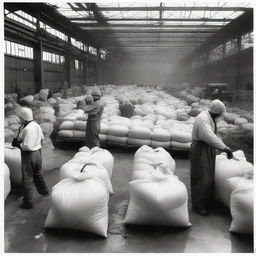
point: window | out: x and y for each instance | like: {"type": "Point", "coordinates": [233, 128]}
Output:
{"type": "Point", "coordinates": [22, 18]}
{"type": "Point", "coordinates": [18, 50]}
{"type": "Point", "coordinates": [78, 44]}
{"type": "Point", "coordinates": [53, 31]}
{"type": "Point", "coordinates": [247, 41]}
{"type": "Point", "coordinates": [92, 50]}
{"type": "Point", "coordinates": [53, 58]}
{"type": "Point", "coordinates": [76, 64]}
{"type": "Point", "coordinates": [216, 53]}
{"type": "Point", "coordinates": [231, 47]}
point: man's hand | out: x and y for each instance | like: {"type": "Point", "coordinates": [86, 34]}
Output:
{"type": "Point", "coordinates": [229, 152]}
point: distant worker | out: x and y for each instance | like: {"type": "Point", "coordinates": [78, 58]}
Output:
{"type": "Point", "coordinates": [94, 108]}
{"type": "Point", "coordinates": [203, 154]}
{"type": "Point", "coordinates": [29, 141]}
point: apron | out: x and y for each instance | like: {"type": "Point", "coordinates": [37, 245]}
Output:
{"type": "Point", "coordinates": [202, 174]}
{"type": "Point", "coordinates": [92, 131]}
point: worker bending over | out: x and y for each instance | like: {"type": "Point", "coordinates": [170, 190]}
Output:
{"type": "Point", "coordinates": [94, 108]}
{"type": "Point", "coordinates": [203, 154]}
{"type": "Point", "coordinates": [29, 141]}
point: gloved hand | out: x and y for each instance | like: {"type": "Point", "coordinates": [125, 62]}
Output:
{"type": "Point", "coordinates": [229, 152]}
{"type": "Point", "coordinates": [16, 143]}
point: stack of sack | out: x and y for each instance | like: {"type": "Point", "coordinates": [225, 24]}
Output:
{"type": "Point", "coordinates": [7, 181]}
{"type": "Point", "coordinates": [181, 135]}
{"type": "Point", "coordinates": [12, 124]}
{"type": "Point", "coordinates": [157, 197]}
{"type": "Point", "coordinates": [12, 157]}
{"type": "Point", "coordinates": [234, 188]}
{"type": "Point", "coordinates": [80, 199]}
{"type": "Point", "coordinates": [118, 129]}
{"type": "Point", "coordinates": [73, 125]}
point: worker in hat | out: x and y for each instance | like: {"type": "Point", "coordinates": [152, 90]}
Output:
{"type": "Point", "coordinates": [29, 141]}
{"type": "Point", "coordinates": [204, 144]}
{"type": "Point", "coordinates": [94, 108]}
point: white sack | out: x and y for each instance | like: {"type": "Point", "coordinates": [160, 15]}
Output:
{"type": "Point", "coordinates": [79, 203]}
{"type": "Point", "coordinates": [7, 182]}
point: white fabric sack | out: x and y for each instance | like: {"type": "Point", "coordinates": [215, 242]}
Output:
{"type": "Point", "coordinates": [140, 132]}
{"type": "Point", "coordinates": [84, 149]}
{"type": "Point", "coordinates": [90, 168]}
{"type": "Point", "coordinates": [158, 202]}
{"type": "Point", "coordinates": [118, 130]}
{"type": "Point", "coordinates": [99, 155]}
{"type": "Point", "coordinates": [80, 125]}
{"type": "Point", "coordinates": [138, 142]}
{"type": "Point", "coordinates": [117, 139]}
{"type": "Point", "coordinates": [181, 136]}
{"type": "Point", "coordinates": [103, 137]}
{"type": "Point", "coordinates": [12, 157]}
{"type": "Point", "coordinates": [241, 207]}
{"type": "Point", "coordinates": [225, 169]}
{"type": "Point", "coordinates": [150, 173]}
{"type": "Point", "coordinates": [104, 128]}
{"type": "Point", "coordinates": [78, 134]}
{"type": "Point", "coordinates": [7, 182]}
{"type": "Point", "coordinates": [160, 134]}
{"type": "Point", "coordinates": [180, 145]}
{"type": "Point", "coordinates": [155, 157]}
{"type": "Point", "coordinates": [66, 133]}
{"type": "Point", "coordinates": [67, 125]}
{"type": "Point", "coordinates": [162, 144]}
{"type": "Point", "coordinates": [79, 203]}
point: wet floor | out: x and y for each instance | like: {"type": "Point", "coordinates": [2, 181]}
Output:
{"type": "Point", "coordinates": [24, 230]}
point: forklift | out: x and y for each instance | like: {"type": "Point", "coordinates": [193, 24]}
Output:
{"type": "Point", "coordinates": [217, 91]}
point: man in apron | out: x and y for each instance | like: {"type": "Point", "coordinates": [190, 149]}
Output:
{"type": "Point", "coordinates": [204, 144]}
{"type": "Point", "coordinates": [94, 108]}
{"type": "Point", "coordinates": [29, 142]}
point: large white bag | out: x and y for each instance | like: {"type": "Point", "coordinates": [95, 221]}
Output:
{"type": "Point", "coordinates": [90, 168]}
{"type": "Point", "coordinates": [241, 208]}
{"type": "Point", "coordinates": [162, 144]}
{"type": "Point", "coordinates": [117, 139]}
{"type": "Point", "coordinates": [12, 157]}
{"type": "Point", "coordinates": [79, 203]}
{"type": "Point", "coordinates": [99, 155]}
{"type": "Point", "coordinates": [118, 130]}
{"type": "Point", "coordinates": [140, 132]}
{"type": "Point", "coordinates": [158, 202]}
{"type": "Point", "coordinates": [181, 136]}
{"type": "Point", "coordinates": [154, 157]}
{"type": "Point", "coordinates": [7, 182]}
{"type": "Point", "coordinates": [225, 169]}
{"type": "Point", "coordinates": [160, 134]}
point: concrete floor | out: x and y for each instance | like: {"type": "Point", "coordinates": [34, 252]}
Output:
{"type": "Point", "coordinates": [24, 232]}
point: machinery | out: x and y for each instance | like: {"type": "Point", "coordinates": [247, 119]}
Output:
{"type": "Point", "coordinates": [218, 91]}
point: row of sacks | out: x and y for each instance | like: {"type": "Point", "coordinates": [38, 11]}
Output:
{"type": "Point", "coordinates": [157, 197]}
{"type": "Point", "coordinates": [234, 189]}
{"type": "Point", "coordinates": [80, 199]}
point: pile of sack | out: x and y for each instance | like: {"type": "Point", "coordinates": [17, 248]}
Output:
{"type": "Point", "coordinates": [234, 188]}
{"type": "Point", "coordinates": [80, 200]}
{"type": "Point", "coordinates": [157, 197]}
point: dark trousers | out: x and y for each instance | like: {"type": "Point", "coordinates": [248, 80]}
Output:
{"type": "Point", "coordinates": [92, 133]}
{"type": "Point", "coordinates": [202, 175]}
{"type": "Point", "coordinates": [31, 171]}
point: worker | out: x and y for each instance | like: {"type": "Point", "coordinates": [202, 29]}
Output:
{"type": "Point", "coordinates": [94, 108]}
{"type": "Point", "coordinates": [29, 141]}
{"type": "Point", "coordinates": [203, 153]}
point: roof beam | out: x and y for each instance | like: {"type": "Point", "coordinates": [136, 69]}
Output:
{"type": "Point", "coordinates": [127, 26]}
{"type": "Point", "coordinates": [137, 31]}
{"type": "Point", "coordinates": [180, 8]}
{"type": "Point", "coordinates": [157, 19]}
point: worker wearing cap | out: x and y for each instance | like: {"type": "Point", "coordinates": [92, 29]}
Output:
{"type": "Point", "coordinates": [204, 143]}
{"type": "Point", "coordinates": [29, 141]}
{"type": "Point", "coordinates": [94, 108]}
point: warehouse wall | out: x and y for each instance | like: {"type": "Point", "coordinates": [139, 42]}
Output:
{"type": "Point", "coordinates": [139, 73]}
{"type": "Point", "coordinates": [236, 71]}
{"type": "Point", "coordinates": [19, 73]}
{"type": "Point", "coordinates": [78, 76]}
{"type": "Point", "coordinates": [54, 75]}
